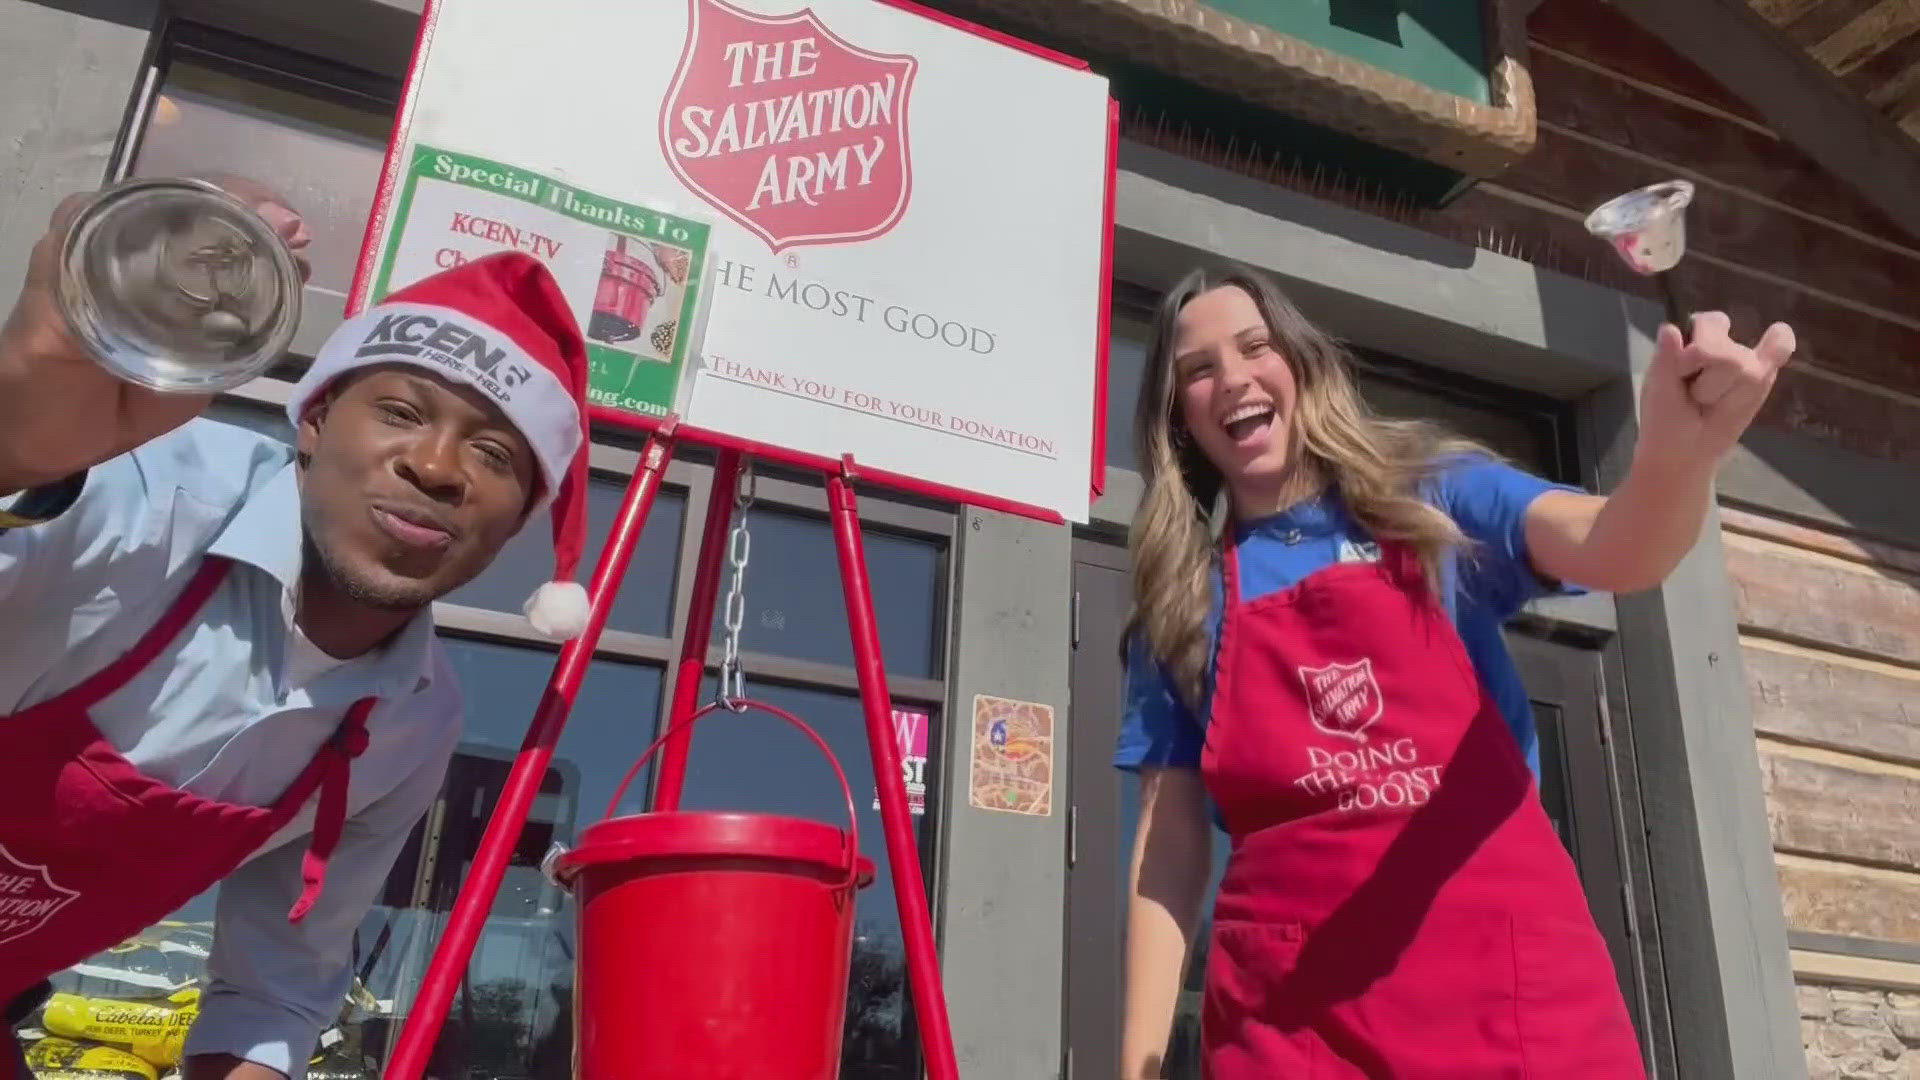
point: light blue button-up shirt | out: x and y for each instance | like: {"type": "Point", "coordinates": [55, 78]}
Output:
{"type": "Point", "coordinates": [213, 714]}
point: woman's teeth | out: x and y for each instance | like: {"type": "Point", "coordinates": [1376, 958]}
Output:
{"type": "Point", "coordinates": [1244, 422]}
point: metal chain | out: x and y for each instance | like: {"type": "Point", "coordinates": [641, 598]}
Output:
{"type": "Point", "coordinates": [733, 681]}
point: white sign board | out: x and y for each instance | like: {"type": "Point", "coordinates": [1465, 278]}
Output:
{"type": "Point", "coordinates": [897, 226]}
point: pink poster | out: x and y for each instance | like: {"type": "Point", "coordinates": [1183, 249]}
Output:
{"type": "Point", "coordinates": [910, 730]}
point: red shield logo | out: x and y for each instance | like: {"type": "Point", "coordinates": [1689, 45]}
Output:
{"type": "Point", "coordinates": [788, 128]}
{"type": "Point", "coordinates": [28, 897]}
{"type": "Point", "coordinates": [1342, 699]}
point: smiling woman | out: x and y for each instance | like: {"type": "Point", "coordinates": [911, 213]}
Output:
{"type": "Point", "coordinates": [1309, 680]}
{"type": "Point", "coordinates": [1323, 673]}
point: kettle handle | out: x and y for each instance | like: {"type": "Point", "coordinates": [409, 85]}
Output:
{"type": "Point", "coordinates": [743, 705]}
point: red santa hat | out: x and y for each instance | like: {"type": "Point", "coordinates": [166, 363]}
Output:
{"type": "Point", "coordinates": [500, 325]}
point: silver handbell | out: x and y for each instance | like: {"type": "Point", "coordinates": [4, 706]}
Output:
{"type": "Point", "coordinates": [177, 286]}
{"type": "Point", "coordinates": [1647, 228]}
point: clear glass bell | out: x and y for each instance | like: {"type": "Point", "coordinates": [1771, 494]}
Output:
{"type": "Point", "coordinates": [1647, 228]}
{"type": "Point", "coordinates": [177, 286]}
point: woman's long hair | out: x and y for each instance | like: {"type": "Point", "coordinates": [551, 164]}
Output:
{"type": "Point", "coordinates": [1377, 465]}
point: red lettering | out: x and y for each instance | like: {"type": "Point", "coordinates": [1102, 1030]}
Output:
{"type": "Point", "coordinates": [500, 232]}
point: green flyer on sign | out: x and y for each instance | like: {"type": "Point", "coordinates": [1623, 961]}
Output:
{"type": "Point", "coordinates": [634, 274]}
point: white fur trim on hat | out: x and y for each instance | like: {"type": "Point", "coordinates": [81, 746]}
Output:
{"type": "Point", "coordinates": [466, 350]}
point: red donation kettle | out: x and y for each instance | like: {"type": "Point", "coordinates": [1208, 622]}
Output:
{"type": "Point", "coordinates": [713, 945]}
{"type": "Point", "coordinates": [628, 288]}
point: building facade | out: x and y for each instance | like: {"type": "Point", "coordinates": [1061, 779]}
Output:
{"type": "Point", "coordinates": [1732, 758]}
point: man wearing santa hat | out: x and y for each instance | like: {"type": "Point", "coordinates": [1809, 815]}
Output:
{"type": "Point", "coordinates": [217, 656]}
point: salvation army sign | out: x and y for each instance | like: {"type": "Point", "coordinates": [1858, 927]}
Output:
{"type": "Point", "coordinates": [829, 227]}
{"type": "Point", "coordinates": [828, 118]}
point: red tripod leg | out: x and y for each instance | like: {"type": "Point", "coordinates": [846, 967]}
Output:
{"type": "Point", "coordinates": [449, 964]}
{"type": "Point", "coordinates": [693, 650]}
{"type": "Point", "coordinates": [916, 923]}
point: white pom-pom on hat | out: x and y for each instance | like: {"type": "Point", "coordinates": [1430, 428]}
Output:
{"type": "Point", "coordinates": [558, 609]}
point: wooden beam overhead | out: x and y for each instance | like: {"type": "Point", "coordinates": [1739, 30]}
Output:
{"type": "Point", "coordinates": [1797, 97]}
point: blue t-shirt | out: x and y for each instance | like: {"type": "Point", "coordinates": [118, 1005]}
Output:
{"type": "Point", "coordinates": [1484, 588]}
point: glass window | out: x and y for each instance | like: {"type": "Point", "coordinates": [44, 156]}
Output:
{"type": "Point", "coordinates": [1522, 436]}
{"type": "Point", "coordinates": [322, 155]}
{"type": "Point", "coordinates": [613, 719]}
{"type": "Point", "coordinates": [1549, 721]}
{"type": "Point", "coordinates": [513, 1014]}
{"type": "Point", "coordinates": [1126, 366]}
{"type": "Point", "coordinates": [645, 603]}
{"type": "Point", "coordinates": [795, 607]}
{"type": "Point", "coordinates": [757, 762]}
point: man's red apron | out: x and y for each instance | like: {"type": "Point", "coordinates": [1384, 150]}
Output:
{"type": "Point", "coordinates": [1397, 903]}
{"type": "Point", "coordinates": [92, 851]}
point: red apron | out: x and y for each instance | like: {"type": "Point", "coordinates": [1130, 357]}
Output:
{"type": "Point", "coordinates": [92, 851]}
{"type": "Point", "coordinates": [1397, 903]}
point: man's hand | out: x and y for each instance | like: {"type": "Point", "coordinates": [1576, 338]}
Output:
{"type": "Point", "coordinates": [1700, 395]}
{"type": "Point", "coordinates": [227, 1067]}
{"type": "Point", "coordinates": [60, 411]}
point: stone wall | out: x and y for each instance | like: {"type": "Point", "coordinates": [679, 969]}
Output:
{"type": "Point", "coordinates": [1856, 1034]}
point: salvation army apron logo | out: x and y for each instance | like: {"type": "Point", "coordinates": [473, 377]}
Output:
{"type": "Point", "coordinates": [28, 897]}
{"type": "Point", "coordinates": [1342, 699]}
{"type": "Point", "coordinates": [787, 128]}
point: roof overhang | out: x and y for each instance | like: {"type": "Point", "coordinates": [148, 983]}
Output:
{"type": "Point", "coordinates": [1798, 90]}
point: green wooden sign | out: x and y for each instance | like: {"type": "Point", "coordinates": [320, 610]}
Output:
{"type": "Point", "coordinates": [1440, 44]}
{"type": "Point", "coordinates": [1441, 82]}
